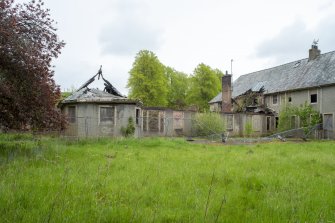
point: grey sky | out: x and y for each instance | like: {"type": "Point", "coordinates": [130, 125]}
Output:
{"type": "Point", "coordinates": [183, 33]}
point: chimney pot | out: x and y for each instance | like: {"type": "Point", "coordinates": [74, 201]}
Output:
{"type": "Point", "coordinates": [314, 52]}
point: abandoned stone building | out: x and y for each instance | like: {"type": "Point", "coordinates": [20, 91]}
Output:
{"type": "Point", "coordinates": [258, 97]}
{"type": "Point", "coordinates": [95, 113]}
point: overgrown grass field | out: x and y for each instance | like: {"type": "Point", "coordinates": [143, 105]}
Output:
{"type": "Point", "coordinates": [164, 180]}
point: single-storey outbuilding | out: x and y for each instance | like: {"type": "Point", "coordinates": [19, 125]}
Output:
{"type": "Point", "coordinates": [94, 113]}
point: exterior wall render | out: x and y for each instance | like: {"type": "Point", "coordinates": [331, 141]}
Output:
{"type": "Point", "coordinates": [325, 99]}
{"type": "Point", "coordinates": [258, 122]}
{"type": "Point", "coordinates": [88, 123]}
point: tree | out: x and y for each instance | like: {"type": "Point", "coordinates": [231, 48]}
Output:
{"type": "Point", "coordinates": [178, 88]}
{"type": "Point", "coordinates": [147, 81]}
{"type": "Point", "coordinates": [28, 42]}
{"type": "Point", "coordinates": [205, 84]}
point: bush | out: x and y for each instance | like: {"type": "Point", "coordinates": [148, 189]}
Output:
{"type": "Point", "coordinates": [205, 124]}
{"type": "Point", "coordinates": [308, 117]}
{"type": "Point", "coordinates": [130, 129]}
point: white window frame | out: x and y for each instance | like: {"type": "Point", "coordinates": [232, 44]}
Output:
{"type": "Point", "coordinates": [107, 123]}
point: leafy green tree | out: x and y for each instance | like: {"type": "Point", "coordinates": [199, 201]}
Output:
{"type": "Point", "coordinates": [147, 80]}
{"type": "Point", "coordinates": [219, 74]}
{"type": "Point", "coordinates": [178, 87]}
{"type": "Point", "coordinates": [205, 84]}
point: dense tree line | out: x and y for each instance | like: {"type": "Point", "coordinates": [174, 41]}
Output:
{"type": "Point", "coordinates": [28, 42]}
{"type": "Point", "coordinates": [158, 85]}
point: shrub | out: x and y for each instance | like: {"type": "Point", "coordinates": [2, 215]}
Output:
{"type": "Point", "coordinates": [205, 124]}
{"type": "Point", "coordinates": [307, 115]}
{"type": "Point", "coordinates": [130, 129]}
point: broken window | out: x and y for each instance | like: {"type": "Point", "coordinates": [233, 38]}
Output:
{"type": "Point", "coordinates": [138, 111]}
{"type": "Point", "coordinates": [314, 98]}
{"type": "Point", "coordinates": [107, 115]}
{"type": "Point", "coordinates": [293, 122]}
{"type": "Point", "coordinates": [277, 122]}
{"type": "Point", "coordinates": [71, 114]}
{"type": "Point", "coordinates": [290, 99]}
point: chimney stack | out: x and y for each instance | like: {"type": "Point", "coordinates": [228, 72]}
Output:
{"type": "Point", "coordinates": [226, 93]}
{"type": "Point", "coordinates": [314, 52]}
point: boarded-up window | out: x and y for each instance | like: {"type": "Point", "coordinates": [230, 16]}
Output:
{"type": "Point", "coordinates": [71, 114]}
{"type": "Point", "coordinates": [153, 121]}
{"type": "Point", "coordinates": [256, 123]}
{"type": "Point", "coordinates": [107, 115]}
{"type": "Point", "coordinates": [178, 120]}
{"type": "Point", "coordinates": [230, 119]}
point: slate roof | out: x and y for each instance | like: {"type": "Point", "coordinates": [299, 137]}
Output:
{"type": "Point", "coordinates": [291, 76]}
{"type": "Point", "coordinates": [96, 95]}
{"type": "Point", "coordinates": [217, 98]}
{"type": "Point", "coordinates": [300, 74]}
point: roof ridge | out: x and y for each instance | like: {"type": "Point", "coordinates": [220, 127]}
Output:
{"type": "Point", "coordinates": [295, 61]}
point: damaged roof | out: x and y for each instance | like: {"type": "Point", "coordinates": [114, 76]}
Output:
{"type": "Point", "coordinates": [95, 95]}
{"type": "Point", "coordinates": [300, 74]}
{"type": "Point", "coordinates": [296, 75]}
{"type": "Point", "coordinates": [109, 95]}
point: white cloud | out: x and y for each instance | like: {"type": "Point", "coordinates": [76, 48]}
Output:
{"type": "Point", "coordinates": [128, 36]}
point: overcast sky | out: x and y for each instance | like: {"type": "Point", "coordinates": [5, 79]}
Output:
{"type": "Point", "coordinates": [256, 34]}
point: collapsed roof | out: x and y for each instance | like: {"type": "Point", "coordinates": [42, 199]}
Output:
{"type": "Point", "coordinates": [108, 86]}
{"type": "Point", "coordinates": [109, 94]}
